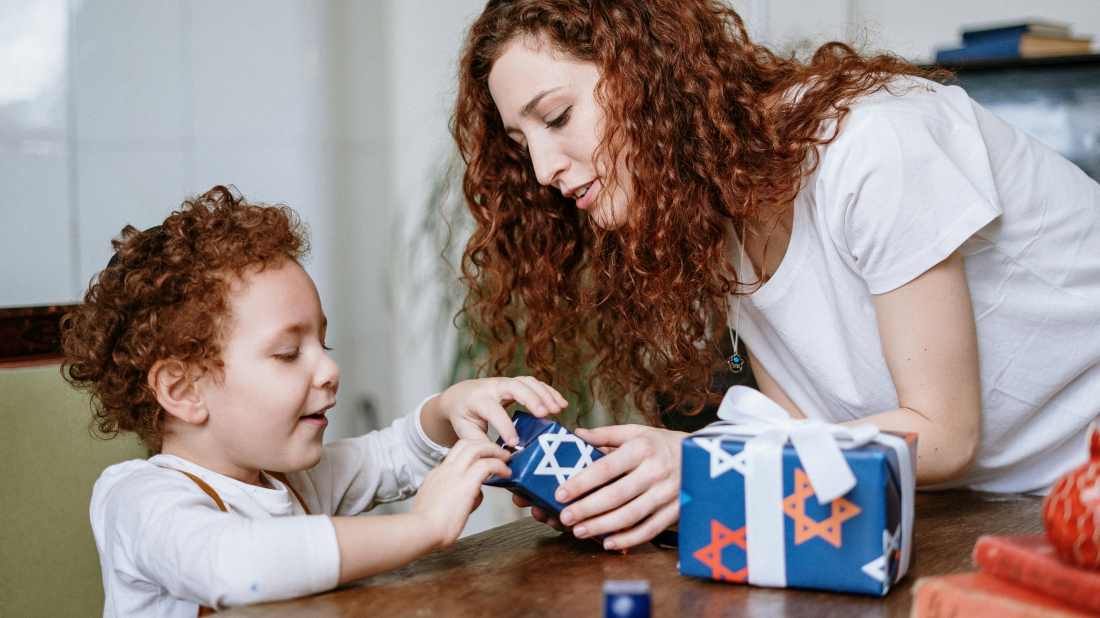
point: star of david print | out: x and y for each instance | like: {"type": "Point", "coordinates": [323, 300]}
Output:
{"type": "Point", "coordinates": [806, 527]}
{"type": "Point", "coordinates": [549, 466]}
{"type": "Point", "coordinates": [711, 555]}
{"type": "Point", "coordinates": [877, 568]}
{"type": "Point", "coordinates": [722, 462]}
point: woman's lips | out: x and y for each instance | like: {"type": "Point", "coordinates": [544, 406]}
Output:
{"type": "Point", "coordinates": [590, 195]}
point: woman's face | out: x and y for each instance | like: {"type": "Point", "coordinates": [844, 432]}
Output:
{"type": "Point", "coordinates": [547, 102]}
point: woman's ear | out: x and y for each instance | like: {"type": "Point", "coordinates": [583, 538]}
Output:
{"type": "Point", "coordinates": [175, 384]}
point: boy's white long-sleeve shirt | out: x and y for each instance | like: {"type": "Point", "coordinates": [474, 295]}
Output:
{"type": "Point", "coordinates": [165, 547]}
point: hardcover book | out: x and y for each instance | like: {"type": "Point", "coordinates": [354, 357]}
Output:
{"type": "Point", "coordinates": [1032, 562]}
{"type": "Point", "coordinates": [978, 595]}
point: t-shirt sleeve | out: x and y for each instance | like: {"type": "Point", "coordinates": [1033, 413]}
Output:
{"type": "Point", "coordinates": [355, 474]}
{"type": "Point", "coordinates": [902, 190]}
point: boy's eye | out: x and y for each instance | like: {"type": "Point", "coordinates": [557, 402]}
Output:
{"type": "Point", "coordinates": [288, 356]}
{"type": "Point", "coordinates": [560, 120]}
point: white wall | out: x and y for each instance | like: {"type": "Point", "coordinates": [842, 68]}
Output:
{"type": "Point", "coordinates": [111, 111]}
{"type": "Point", "coordinates": [910, 29]}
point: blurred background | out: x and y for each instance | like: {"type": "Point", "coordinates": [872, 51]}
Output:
{"type": "Point", "coordinates": [113, 111]}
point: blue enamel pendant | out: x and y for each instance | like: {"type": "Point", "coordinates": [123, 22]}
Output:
{"type": "Point", "coordinates": [736, 363]}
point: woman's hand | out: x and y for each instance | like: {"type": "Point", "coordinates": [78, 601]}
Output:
{"type": "Point", "coordinates": [466, 409]}
{"type": "Point", "coordinates": [641, 504]}
{"type": "Point", "coordinates": [453, 490]}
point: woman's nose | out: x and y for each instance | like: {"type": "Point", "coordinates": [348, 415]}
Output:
{"type": "Point", "coordinates": [548, 161]}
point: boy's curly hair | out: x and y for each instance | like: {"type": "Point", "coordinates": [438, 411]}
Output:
{"type": "Point", "coordinates": [165, 296]}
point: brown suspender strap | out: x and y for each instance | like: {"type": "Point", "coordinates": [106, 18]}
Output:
{"type": "Point", "coordinates": [282, 479]}
{"type": "Point", "coordinates": [206, 488]}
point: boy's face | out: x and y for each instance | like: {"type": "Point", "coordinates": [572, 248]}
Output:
{"type": "Point", "coordinates": [267, 407]}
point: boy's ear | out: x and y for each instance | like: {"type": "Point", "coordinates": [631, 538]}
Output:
{"type": "Point", "coordinates": [175, 384]}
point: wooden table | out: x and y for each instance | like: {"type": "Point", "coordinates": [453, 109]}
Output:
{"type": "Point", "coordinates": [527, 569]}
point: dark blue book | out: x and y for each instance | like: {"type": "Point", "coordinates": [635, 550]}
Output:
{"type": "Point", "coordinates": [1013, 31]}
{"type": "Point", "coordinates": [990, 50]}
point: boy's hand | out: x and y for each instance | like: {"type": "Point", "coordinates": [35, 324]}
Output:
{"type": "Point", "coordinates": [453, 490]}
{"type": "Point", "coordinates": [466, 409]}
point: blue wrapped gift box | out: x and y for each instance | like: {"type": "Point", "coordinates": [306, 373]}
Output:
{"type": "Point", "coordinates": [547, 456]}
{"type": "Point", "coordinates": [858, 542]}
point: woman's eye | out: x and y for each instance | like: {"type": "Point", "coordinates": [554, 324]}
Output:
{"type": "Point", "coordinates": [560, 120]}
{"type": "Point", "coordinates": [288, 356]}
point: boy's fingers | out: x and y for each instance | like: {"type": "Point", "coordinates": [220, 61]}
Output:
{"type": "Point", "coordinates": [484, 468]}
{"type": "Point", "coordinates": [521, 392]}
{"type": "Point", "coordinates": [499, 419]}
{"type": "Point", "coordinates": [466, 452]}
{"type": "Point", "coordinates": [553, 400]}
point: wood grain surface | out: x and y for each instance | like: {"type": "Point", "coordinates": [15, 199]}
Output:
{"type": "Point", "coordinates": [527, 569]}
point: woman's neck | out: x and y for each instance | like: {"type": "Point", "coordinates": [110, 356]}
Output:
{"type": "Point", "coordinates": [766, 243]}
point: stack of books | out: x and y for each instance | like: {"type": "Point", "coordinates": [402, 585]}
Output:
{"type": "Point", "coordinates": [1027, 40]}
{"type": "Point", "coordinates": [1021, 576]}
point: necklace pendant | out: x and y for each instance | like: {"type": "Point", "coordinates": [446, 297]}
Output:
{"type": "Point", "coordinates": [736, 363]}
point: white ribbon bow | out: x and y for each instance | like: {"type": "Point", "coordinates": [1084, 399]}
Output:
{"type": "Point", "coordinates": [747, 413]}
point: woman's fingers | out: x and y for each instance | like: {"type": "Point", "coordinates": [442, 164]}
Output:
{"type": "Point", "coordinates": [601, 472]}
{"type": "Point", "coordinates": [628, 514]}
{"type": "Point", "coordinates": [613, 435]}
{"type": "Point", "coordinates": [658, 522]}
{"type": "Point", "coordinates": [539, 514]}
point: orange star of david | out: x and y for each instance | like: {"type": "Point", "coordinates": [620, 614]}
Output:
{"type": "Point", "coordinates": [711, 555]}
{"type": "Point", "coordinates": [805, 527]}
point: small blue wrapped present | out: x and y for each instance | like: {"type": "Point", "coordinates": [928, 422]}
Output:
{"type": "Point", "coordinates": [772, 501]}
{"type": "Point", "coordinates": [547, 456]}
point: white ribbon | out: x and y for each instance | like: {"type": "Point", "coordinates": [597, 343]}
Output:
{"type": "Point", "coordinates": [766, 428]}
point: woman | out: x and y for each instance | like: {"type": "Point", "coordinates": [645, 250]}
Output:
{"type": "Point", "coordinates": [640, 172]}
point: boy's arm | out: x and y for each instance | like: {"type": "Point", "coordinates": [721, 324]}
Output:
{"type": "Point", "coordinates": [355, 474]}
{"type": "Point", "coordinates": [372, 545]}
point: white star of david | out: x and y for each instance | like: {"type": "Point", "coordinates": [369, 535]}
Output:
{"type": "Point", "coordinates": [722, 462]}
{"type": "Point", "coordinates": [549, 465]}
{"type": "Point", "coordinates": [876, 569]}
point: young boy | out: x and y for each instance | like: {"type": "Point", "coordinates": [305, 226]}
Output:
{"type": "Point", "coordinates": [206, 338]}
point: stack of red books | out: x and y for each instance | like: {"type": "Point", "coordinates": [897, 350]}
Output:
{"type": "Point", "coordinates": [1021, 576]}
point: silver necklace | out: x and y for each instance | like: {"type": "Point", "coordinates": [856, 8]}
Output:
{"type": "Point", "coordinates": [735, 362]}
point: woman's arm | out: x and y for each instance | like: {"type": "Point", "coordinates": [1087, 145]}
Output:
{"type": "Point", "coordinates": [930, 342]}
{"type": "Point", "coordinates": [771, 388]}
{"type": "Point", "coordinates": [931, 347]}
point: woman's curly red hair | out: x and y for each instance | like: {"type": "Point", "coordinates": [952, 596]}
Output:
{"type": "Point", "coordinates": [705, 124]}
{"type": "Point", "coordinates": [165, 296]}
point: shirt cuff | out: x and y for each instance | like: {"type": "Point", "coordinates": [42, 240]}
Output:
{"type": "Point", "coordinates": [441, 451]}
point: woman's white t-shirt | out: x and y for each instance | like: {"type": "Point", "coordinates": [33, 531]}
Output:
{"type": "Point", "coordinates": [909, 179]}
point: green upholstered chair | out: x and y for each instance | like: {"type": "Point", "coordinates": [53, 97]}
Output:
{"type": "Point", "coordinates": [49, 462]}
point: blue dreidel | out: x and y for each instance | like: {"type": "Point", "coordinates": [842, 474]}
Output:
{"type": "Point", "coordinates": [626, 599]}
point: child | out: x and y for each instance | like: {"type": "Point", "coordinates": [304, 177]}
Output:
{"type": "Point", "coordinates": [206, 338]}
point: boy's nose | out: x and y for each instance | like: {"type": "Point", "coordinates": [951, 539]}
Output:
{"type": "Point", "coordinates": [328, 374]}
